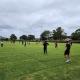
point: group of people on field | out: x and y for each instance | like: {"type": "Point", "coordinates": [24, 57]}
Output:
{"type": "Point", "coordinates": [66, 52]}
{"type": "Point", "coordinates": [45, 44]}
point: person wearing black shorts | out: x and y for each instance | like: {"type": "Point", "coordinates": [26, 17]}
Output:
{"type": "Point", "coordinates": [56, 44]}
{"type": "Point", "coordinates": [67, 51]}
{"type": "Point", "coordinates": [25, 43]}
{"type": "Point", "coordinates": [45, 44]}
{"type": "Point", "coordinates": [1, 43]}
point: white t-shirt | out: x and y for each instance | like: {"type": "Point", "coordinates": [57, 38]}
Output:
{"type": "Point", "coordinates": [1, 42]}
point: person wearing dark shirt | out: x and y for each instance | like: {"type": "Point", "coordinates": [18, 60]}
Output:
{"type": "Point", "coordinates": [56, 44]}
{"type": "Point", "coordinates": [71, 43]}
{"type": "Point", "coordinates": [67, 51]}
{"type": "Point", "coordinates": [22, 42]}
{"type": "Point", "coordinates": [25, 43]}
{"type": "Point", "coordinates": [45, 44]}
{"type": "Point", "coordinates": [1, 43]}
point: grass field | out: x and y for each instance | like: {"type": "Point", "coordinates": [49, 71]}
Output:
{"type": "Point", "coordinates": [29, 63]}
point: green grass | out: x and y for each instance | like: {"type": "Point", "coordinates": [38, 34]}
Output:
{"type": "Point", "coordinates": [29, 63]}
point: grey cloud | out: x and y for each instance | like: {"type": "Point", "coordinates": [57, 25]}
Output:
{"type": "Point", "coordinates": [21, 6]}
{"type": "Point", "coordinates": [6, 27]}
{"type": "Point", "coordinates": [34, 16]}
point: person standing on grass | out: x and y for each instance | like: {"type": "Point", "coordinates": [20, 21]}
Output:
{"type": "Point", "coordinates": [56, 44]}
{"type": "Point", "coordinates": [22, 42]}
{"type": "Point", "coordinates": [71, 43]}
{"type": "Point", "coordinates": [67, 51]}
{"type": "Point", "coordinates": [45, 44]}
{"type": "Point", "coordinates": [25, 43]}
{"type": "Point", "coordinates": [1, 43]}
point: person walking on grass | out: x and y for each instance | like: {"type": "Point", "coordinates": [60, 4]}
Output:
{"type": "Point", "coordinates": [22, 42]}
{"type": "Point", "coordinates": [67, 51]}
{"type": "Point", "coordinates": [45, 44]}
{"type": "Point", "coordinates": [56, 44]}
{"type": "Point", "coordinates": [25, 43]}
{"type": "Point", "coordinates": [1, 43]}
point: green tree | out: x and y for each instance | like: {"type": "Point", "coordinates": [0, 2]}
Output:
{"type": "Point", "coordinates": [13, 38]}
{"type": "Point", "coordinates": [59, 34]}
{"type": "Point", "coordinates": [23, 37]}
{"type": "Point", "coordinates": [45, 35]}
{"type": "Point", "coordinates": [31, 37]}
{"type": "Point", "coordinates": [76, 35]}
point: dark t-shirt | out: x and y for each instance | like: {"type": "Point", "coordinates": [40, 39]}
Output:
{"type": "Point", "coordinates": [45, 44]}
{"type": "Point", "coordinates": [68, 46]}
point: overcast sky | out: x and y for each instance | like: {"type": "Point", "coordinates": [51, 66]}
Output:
{"type": "Point", "coordinates": [35, 16]}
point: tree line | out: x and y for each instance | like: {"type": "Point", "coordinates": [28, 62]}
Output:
{"type": "Point", "coordinates": [57, 34]}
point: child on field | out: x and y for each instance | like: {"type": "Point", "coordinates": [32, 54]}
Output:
{"type": "Point", "coordinates": [67, 51]}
